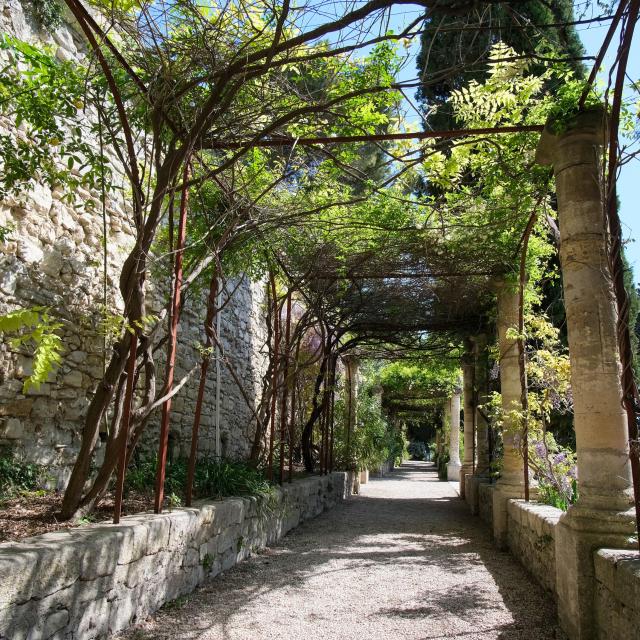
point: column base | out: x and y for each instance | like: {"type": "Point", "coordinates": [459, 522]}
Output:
{"type": "Point", "coordinates": [579, 533]}
{"type": "Point", "coordinates": [465, 470]}
{"type": "Point", "coordinates": [501, 495]}
{"type": "Point", "coordinates": [353, 482]}
{"type": "Point", "coordinates": [472, 491]}
{"type": "Point", "coordinates": [453, 472]}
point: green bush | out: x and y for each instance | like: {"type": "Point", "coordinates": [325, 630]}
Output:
{"type": "Point", "coordinates": [17, 475]}
{"type": "Point", "coordinates": [213, 478]}
{"type": "Point", "coordinates": [443, 461]}
{"type": "Point", "coordinates": [373, 441]}
{"type": "Point", "coordinates": [48, 13]}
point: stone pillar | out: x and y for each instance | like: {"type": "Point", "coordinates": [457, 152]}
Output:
{"type": "Point", "coordinates": [453, 468]}
{"type": "Point", "coordinates": [482, 471]}
{"type": "Point", "coordinates": [602, 517]}
{"type": "Point", "coordinates": [438, 445]}
{"type": "Point", "coordinates": [481, 364]}
{"type": "Point", "coordinates": [511, 482]}
{"type": "Point", "coordinates": [351, 364]}
{"type": "Point", "coordinates": [468, 463]}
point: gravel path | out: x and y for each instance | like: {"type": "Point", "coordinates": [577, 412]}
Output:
{"type": "Point", "coordinates": [403, 560]}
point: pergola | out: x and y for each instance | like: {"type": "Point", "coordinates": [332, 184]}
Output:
{"type": "Point", "coordinates": [411, 287]}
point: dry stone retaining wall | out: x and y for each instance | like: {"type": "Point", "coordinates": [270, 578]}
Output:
{"type": "Point", "coordinates": [617, 594]}
{"type": "Point", "coordinates": [54, 259]}
{"type": "Point", "coordinates": [86, 583]}
{"type": "Point", "coordinates": [531, 535]}
{"type": "Point", "coordinates": [485, 503]}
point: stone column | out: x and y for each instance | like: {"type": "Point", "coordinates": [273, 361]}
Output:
{"type": "Point", "coordinates": [468, 463]}
{"type": "Point", "coordinates": [453, 468]}
{"type": "Point", "coordinates": [511, 482]}
{"type": "Point", "coordinates": [602, 516]}
{"type": "Point", "coordinates": [482, 471]}
{"type": "Point", "coordinates": [482, 396]}
{"type": "Point", "coordinates": [351, 364]}
{"type": "Point", "coordinates": [438, 445]}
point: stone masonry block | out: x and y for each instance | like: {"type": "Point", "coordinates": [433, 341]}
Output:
{"type": "Point", "coordinates": [93, 581]}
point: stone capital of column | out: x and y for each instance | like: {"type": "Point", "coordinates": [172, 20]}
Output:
{"type": "Point", "coordinates": [575, 144]}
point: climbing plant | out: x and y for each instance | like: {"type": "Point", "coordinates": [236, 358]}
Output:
{"type": "Point", "coordinates": [374, 439]}
{"type": "Point", "coordinates": [44, 99]}
{"type": "Point", "coordinates": [35, 330]}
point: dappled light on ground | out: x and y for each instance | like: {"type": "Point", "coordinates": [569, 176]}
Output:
{"type": "Point", "coordinates": [402, 560]}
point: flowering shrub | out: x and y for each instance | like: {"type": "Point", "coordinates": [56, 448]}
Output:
{"type": "Point", "coordinates": [556, 472]}
{"type": "Point", "coordinates": [548, 393]}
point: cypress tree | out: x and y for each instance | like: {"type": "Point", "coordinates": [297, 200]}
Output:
{"type": "Point", "coordinates": [460, 43]}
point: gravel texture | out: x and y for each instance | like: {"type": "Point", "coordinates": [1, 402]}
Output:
{"type": "Point", "coordinates": [405, 559]}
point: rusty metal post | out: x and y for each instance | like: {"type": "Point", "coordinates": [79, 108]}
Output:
{"type": "Point", "coordinates": [274, 388]}
{"type": "Point", "coordinates": [285, 386]}
{"type": "Point", "coordinates": [204, 367]}
{"type": "Point", "coordinates": [173, 338]}
{"type": "Point", "coordinates": [126, 421]}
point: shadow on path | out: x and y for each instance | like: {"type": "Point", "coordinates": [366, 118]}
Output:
{"type": "Point", "coordinates": [403, 560]}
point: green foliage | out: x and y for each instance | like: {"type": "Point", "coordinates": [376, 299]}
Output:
{"type": "Point", "coordinates": [45, 100]}
{"type": "Point", "coordinates": [374, 440]}
{"type": "Point", "coordinates": [556, 471]}
{"type": "Point", "coordinates": [4, 233]}
{"type": "Point", "coordinates": [17, 476]}
{"type": "Point", "coordinates": [117, 5]}
{"type": "Point", "coordinates": [418, 450]}
{"type": "Point", "coordinates": [549, 494]}
{"type": "Point", "coordinates": [177, 604]}
{"type": "Point", "coordinates": [444, 45]}
{"type": "Point", "coordinates": [634, 314]}
{"type": "Point", "coordinates": [113, 324]}
{"type": "Point", "coordinates": [442, 462]}
{"type": "Point", "coordinates": [213, 479]}
{"type": "Point", "coordinates": [207, 561]}
{"type": "Point", "coordinates": [565, 106]}
{"type": "Point", "coordinates": [47, 12]}
{"type": "Point", "coordinates": [411, 379]}
{"type": "Point", "coordinates": [37, 330]}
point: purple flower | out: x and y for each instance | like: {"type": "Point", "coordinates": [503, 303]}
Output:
{"type": "Point", "coordinates": [573, 472]}
{"type": "Point", "coordinates": [559, 458]}
{"type": "Point", "coordinates": [565, 485]}
{"type": "Point", "coordinates": [541, 449]}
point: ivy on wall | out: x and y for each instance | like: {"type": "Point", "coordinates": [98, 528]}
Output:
{"type": "Point", "coordinates": [48, 13]}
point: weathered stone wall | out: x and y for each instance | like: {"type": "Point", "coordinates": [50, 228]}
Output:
{"type": "Point", "coordinates": [531, 536]}
{"type": "Point", "coordinates": [617, 598]}
{"type": "Point", "coordinates": [89, 582]}
{"type": "Point", "coordinates": [54, 259]}
{"type": "Point", "coordinates": [531, 528]}
{"type": "Point", "coordinates": [485, 503]}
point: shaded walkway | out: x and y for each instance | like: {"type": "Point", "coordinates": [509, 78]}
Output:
{"type": "Point", "coordinates": [403, 560]}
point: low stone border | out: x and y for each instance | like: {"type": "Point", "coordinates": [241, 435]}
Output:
{"type": "Point", "coordinates": [485, 503]}
{"type": "Point", "coordinates": [617, 597]}
{"type": "Point", "coordinates": [531, 532]}
{"type": "Point", "coordinates": [88, 582]}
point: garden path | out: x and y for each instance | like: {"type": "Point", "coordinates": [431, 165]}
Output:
{"type": "Point", "coordinates": [405, 559]}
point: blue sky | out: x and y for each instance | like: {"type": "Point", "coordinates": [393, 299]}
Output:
{"type": "Point", "coordinates": [629, 181]}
